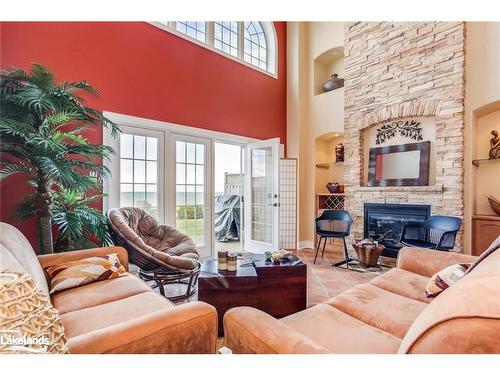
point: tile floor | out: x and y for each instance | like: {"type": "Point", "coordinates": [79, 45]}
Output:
{"type": "Point", "coordinates": [323, 280]}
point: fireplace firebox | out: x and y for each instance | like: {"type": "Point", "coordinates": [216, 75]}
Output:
{"type": "Point", "coordinates": [384, 223]}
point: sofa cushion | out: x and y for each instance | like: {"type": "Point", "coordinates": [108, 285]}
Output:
{"type": "Point", "coordinates": [465, 318]}
{"type": "Point", "coordinates": [91, 319]}
{"type": "Point", "coordinates": [12, 241]}
{"type": "Point", "coordinates": [379, 308]}
{"type": "Point", "coordinates": [98, 293]}
{"type": "Point", "coordinates": [341, 333]}
{"type": "Point", "coordinates": [404, 283]}
{"type": "Point", "coordinates": [84, 271]}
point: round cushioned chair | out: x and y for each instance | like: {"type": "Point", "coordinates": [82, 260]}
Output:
{"type": "Point", "coordinates": [163, 254]}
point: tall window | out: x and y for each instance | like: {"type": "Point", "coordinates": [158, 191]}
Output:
{"type": "Point", "coordinates": [139, 172]}
{"type": "Point", "coordinates": [250, 42]}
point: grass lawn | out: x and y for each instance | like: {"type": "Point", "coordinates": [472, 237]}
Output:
{"type": "Point", "coordinates": [191, 227]}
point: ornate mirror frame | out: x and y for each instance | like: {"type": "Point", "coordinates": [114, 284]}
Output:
{"type": "Point", "coordinates": [421, 180]}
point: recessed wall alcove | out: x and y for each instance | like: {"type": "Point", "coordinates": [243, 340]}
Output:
{"type": "Point", "coordinates": [484, 177]}
{"type": "Point", "coordinates": [329, 62]}
{"type": "Point", "coordinates": [485, 173]}
{"type": "Point", "coordinates": [328, 169]}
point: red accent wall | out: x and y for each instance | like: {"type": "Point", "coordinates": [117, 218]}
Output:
{"type": "Point", "coordinates": [141, 70]}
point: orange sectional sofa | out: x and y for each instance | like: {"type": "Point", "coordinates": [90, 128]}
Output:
{"type": "Point", "coordinates": [390, 314]}
{"type": "Point", "coordinates": [121, 315]}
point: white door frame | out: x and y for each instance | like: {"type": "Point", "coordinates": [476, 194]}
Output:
{"type": "Point", "coordinates": [168, 129]}
{"type": "Point", "coordinates": [253, 245]}
{"type": "Point", "coordinates": [208, 188]}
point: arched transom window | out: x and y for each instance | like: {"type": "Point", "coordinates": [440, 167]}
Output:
{"type": "Point", "coordinates": [252, 43]}
{"type": "Point", "coordinates": [255, 48]}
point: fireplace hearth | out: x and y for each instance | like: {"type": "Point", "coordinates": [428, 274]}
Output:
{"type": "Point", "coordinates": [384, 223]}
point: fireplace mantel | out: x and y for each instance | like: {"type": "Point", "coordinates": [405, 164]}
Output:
{"type": "Point", "coordinates": [408, 189]}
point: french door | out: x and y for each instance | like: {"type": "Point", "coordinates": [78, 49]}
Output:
{"type": "Point", "coordinates": [191, 189]}
{"type": "Point", "coordinates": [138, 172]}
{"type": "Point", "coordinates": [170, 173]}
{"type": "Point", "coordinates": [261, 196]}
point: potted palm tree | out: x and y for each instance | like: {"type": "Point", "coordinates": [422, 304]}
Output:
{"type": "Point", "coordinates": [42, 122]}
{"type": "Point", "coordinates": [77, 222]}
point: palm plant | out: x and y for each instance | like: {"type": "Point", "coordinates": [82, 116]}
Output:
{"type": "Point", "coordinates": [41, 126]}
{"type": "Point", "coordinates": [77, 223]}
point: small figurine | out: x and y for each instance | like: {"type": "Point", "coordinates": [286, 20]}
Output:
{"type": "Point", "coordinates": [494, 145]}
{"type": "Point", "coordinates": [339, 153]}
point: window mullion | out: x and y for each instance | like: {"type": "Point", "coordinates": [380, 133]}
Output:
{"type": "Point", "coordinates": [210, 30]}
{"type": "Point", "coordinates": [241, 40]}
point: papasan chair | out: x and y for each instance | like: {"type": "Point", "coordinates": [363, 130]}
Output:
{"type": "Point", "coordinates": [163, 254]}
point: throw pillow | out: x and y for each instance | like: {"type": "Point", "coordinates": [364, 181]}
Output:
{"type": "Point", "coordinates": [493, 247]}
{"type": "Point", "coordinates": [444, 278]}
{"type": "Point", "coordinates": [84, 271]}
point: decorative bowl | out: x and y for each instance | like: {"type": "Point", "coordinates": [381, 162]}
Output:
{"type": "Point", "coordinates": [334, 188]}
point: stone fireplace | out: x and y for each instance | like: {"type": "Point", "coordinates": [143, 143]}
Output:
{"type": "Point", "coordinates": [397, 71]}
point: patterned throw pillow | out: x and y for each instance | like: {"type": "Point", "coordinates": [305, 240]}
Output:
{"type": "Point", "coordinates": [444, 278]}
{"type": "Point", "coordinates": [84, 271]}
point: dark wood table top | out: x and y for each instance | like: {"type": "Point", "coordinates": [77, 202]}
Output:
{"type": "Point", "coordinates": [248, 266]}
{"type": "Point", "coordinates": [209, 269]}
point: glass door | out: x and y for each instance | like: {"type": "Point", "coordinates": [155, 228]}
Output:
{"type": "Point", "coordinates": [261, 194]}
{"type": "Point", "coordinates": [193, 205]}
{"type": "Point", "coordinates": [228, 194]}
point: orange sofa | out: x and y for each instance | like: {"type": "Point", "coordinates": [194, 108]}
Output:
{"type": "Point", "coordinates": [121, 315]}
{"type": "Point", "coordinates": [390, 314]}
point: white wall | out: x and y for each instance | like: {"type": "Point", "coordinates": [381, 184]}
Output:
{"type": "Point", "coordinates": [308, 115]}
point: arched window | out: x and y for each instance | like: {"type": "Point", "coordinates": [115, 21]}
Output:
{"type": "Point", "coordinates": [255, 45]}
{"type": "Point", "coordinates": [252, 43]}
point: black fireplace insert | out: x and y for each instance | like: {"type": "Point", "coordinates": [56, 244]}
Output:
{"type": "Point", "coordinates": [384, 223]}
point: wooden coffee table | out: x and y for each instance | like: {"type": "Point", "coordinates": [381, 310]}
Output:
{"type": "Point", "coordinates": [279, 289]}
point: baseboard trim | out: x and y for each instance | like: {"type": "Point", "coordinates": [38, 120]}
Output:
{"type": "Point", "coordinates": [306, 245]}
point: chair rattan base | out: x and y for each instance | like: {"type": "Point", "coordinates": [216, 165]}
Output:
{"type": "Point", "coordinates": [163, 277]}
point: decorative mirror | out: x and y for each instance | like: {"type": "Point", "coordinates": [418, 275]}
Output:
{"type": "Point", "coordinates": [400, 165]}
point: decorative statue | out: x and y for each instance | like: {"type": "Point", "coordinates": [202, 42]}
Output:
{"type": "Point", "coordinates": [494, 145]}
{"type": "Point", "coordinates": [339, 152]}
